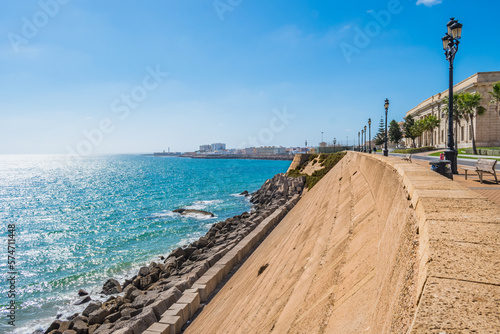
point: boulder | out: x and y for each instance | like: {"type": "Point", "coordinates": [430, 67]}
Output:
{"type": "Point", "coordinates": [98, 316]}
{"type": "Point", "coordinates": [82, 292]}
{"type": "Point", "coordinates": [83, 300]}
{"type": "Point", "coordinates": [91, 308]}
{"type": "Point", "coordinates": [143, 271]}
{"type": "Point", "coordinates": [112, 286]}
{"type": "Point", "coordinates": [192, 211]}
{"type": "Point", "coordinates": [79, 327]}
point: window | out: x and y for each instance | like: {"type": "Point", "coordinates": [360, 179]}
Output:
{"type": "Point", "coordinates": [462, 133]}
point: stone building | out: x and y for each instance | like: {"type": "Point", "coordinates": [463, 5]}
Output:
{"type": "Point", "coordinates": [486, 126]}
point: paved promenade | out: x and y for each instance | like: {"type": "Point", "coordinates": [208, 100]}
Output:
{"type": "Point", "coordinates": [488, 188]}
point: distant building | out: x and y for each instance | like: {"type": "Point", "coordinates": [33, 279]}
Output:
{"type": "Point", "coordinates": [270, 150]}
{"type": "Point", "coordinates": [205, 148]}
{"type": "Point", "coordinates": [250, 150]}
{"type": "Point", "coordinates": [218, 147]}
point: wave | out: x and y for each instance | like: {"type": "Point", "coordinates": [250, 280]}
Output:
{"type": "Point", "coordinates": [163, 215]}
{"type": "Point", "coordinates": [200, 205]}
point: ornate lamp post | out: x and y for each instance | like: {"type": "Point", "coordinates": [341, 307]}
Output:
{"type": "Point", "coordinates": [364, 149]}
{"type": "Point", "coordinates": [359, 143]}
{"type": "Point", "coordinates": [450, 45]}
{"type": "Point", "coordinates": [386, 151]}
{"type": "Point", "coordinates": [369, 135]}
{"type": "Point", "coordinates": [362, 144]}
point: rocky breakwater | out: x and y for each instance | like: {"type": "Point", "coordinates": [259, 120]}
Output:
{"type": "Point", "coordinates": [139, 302]}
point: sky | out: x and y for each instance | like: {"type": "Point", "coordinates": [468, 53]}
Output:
{"type": "Point", "coordinates": [120, 76]}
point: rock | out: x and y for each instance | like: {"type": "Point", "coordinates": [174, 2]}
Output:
{"type": "Point", "coordinates": [192, 211]}
{"type": "Point", "coordinates": [54, 325]}
{"type": "Point", "coordinates": [98, 316]}
{"type": "Point", "coordinates": [202, 242]}
{"type": "Point", "coordinates": [112, 286]}
{"type": "Point", "coordinates": [145, 299]}
{"type": "Point", "coordinates": [159, 307]}
{"type": "Point", "coordinates": [128, 292]}
{"type": "Point", "coordinates": [124, 331]}
{"type": "Point", "coordinates": [82, 292]}
{"type": "Point", "coordinates": [69, 331]}
{"type": "Point", "coordinates": [79, 327]}
{"type": "Point", "coordinates": [129, 312]}
{"type": "Point", "coordinates": [113, 317]}
{"type": "Point", "coordinates": [104, 329]}
{"type": "Point", "coordinates": [91, 308]}
{"type": "Point", "coordinates": [83, 300]}
{"type": "Point", "coordinates": [245, 193]}
{"type": "Point", "coordinates": [177, 253]}
{"type": "Point", "coordinates": [92, 329]}
{"type": "Point", "coordinates": [143, 271]}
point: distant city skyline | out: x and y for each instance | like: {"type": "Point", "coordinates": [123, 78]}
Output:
{"type": "Point", "coordinates": [126, 77]}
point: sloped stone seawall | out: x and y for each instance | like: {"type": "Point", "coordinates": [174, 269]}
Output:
{"type": "Point", "coordinates": [185, 277]}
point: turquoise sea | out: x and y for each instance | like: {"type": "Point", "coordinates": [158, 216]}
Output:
{"type": "Point", "coordinates": [79, 222]}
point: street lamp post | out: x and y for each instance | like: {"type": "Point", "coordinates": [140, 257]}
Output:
{"type": "Point", "coordinates": [364, 149]}
{"type": "Point", "coordinates": [362, 137]}
{"type": "Point", "coordinates": [334, 142]}
{"type": "Point", "coordinates": [359, 143]}
{"type": "Point", "coordinates": [369, 135]}
{"type": "Point", "coordinates": [451, 40]}
{"type": "Point", "coordinates": [386, 151]}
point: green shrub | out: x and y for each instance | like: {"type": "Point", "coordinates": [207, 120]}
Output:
{"type": "Point", "coordinates": [416, 150]}
{"type": "Point", "coordinates": [295, 172]}
{"type": "Point", "coordinates": [313, 156]}
{"type": "Point", "coordinates": [330, 161]}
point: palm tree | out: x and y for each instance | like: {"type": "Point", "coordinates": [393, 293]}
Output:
{"type": "Point", "coordinates": [495, 96]}
{"type": "Point", "coordinates": [430, 123]}
{"type": "Point", "coordinates": [470, 103]}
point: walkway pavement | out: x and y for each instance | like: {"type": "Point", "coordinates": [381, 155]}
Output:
{"type": "Point", "coordinates": [488, 188]}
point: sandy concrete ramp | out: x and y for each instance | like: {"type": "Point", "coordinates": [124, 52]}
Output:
{"type": "Point", "coordinates": [377, 246]}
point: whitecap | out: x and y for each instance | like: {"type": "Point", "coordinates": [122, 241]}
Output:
{"type": "Point", "coordinates": [200, 205]}
{"type": "Point", "coordinates": [163, 215]}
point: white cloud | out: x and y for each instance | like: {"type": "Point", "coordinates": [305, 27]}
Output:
{"type": "Point", "coordinates": [428, 3]}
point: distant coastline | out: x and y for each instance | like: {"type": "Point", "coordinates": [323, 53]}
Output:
{"type": "Point", "coordinates": [225, 156]}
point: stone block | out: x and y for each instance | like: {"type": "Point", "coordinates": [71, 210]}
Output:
{"type": "Point", "coordinates": [175, 323]}
{"type": "Point", "coordinates": [181, 310]}
{"type": "Point", "coordinates": [191, 299]}
{"type": "Point", "coordinates": [202, 290]}
{"type": "Point", "coordinates": [158, 328]}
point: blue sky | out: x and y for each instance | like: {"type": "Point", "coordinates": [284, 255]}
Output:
{"type": "Point", "coordinates": [129, 77]}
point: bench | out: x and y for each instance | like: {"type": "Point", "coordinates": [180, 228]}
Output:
{"type": "Point", "coordinates": [407, 157]}
{"type": "Point", "coordinates": [483, 166]}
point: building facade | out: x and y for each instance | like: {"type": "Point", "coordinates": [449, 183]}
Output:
{"type": "Point", "coordinates": [486, 126]}
{"type": "Point", "coordinates": [218, 147]}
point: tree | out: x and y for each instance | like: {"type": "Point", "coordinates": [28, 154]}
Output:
{"type": "Point", "coordinates": [495, 96]}
{"type": "Point", "coordinates": [430, 123]}
{"type": "Point", "coordinates": [470, 104]}
{"type": "Point", "coordinates": [412, 128]}
{"type": "Point", "coordinates": [395, 135]}
{"type": "Point", "coordinates": [380, 136]}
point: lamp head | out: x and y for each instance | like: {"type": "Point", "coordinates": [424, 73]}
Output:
{"type": "Point", "coordinates": [456, 30]}
{"type": "Point", "coordinates": [447, 40]}
{"type": "Point", "coordinates": [449, 24]}
{"type": "Point", "coordinates": [369, 121]}
{"type": "Point", "coordinates": [386, 104]}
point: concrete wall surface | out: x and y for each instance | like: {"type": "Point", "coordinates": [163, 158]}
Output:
{"type": "Point", "coordinates": [377, 246]}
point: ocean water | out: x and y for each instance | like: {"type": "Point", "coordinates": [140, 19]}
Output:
{"type": "Point", "coordinates": [81, 222]}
